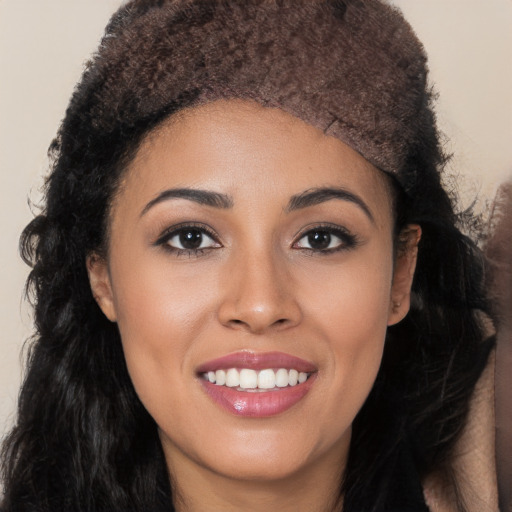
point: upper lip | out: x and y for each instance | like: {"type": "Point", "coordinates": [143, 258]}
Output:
{"type": "Point", "coordinates": [257, 361]}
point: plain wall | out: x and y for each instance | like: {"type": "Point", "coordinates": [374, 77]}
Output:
{"type": "Point", "coordinates": [44, 44]}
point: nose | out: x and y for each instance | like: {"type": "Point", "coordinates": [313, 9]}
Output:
{"type": "Point", "coordinates": [259, 295]}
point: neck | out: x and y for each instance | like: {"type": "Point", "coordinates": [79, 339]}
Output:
{"type": "Point", "coordinates": [314, 488]}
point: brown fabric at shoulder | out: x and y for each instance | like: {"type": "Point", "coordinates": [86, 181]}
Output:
{"type": "Point", "coordinates": [473, 460]}
{"type": "Point", "coordinates": [504, 417]}
{"type": "Point", "coordinates": [498, 251]}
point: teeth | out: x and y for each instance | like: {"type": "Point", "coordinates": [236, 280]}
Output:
{"type": "Point", "coordinates": [232, 378]}
{"type": "Point", "coordinates": [220, 378]}
{"type": "Point", "coordinates": [251, 379]}
{"type": "Point", "coordinates": [248, 379]}
{"type": "Point", "coordinates": [282, 378]}
{"type": "Point", "coordinates": [266, 379]}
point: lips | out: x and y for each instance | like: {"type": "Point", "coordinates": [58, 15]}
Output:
{"type": "Point", "coordinates": [276, 382]}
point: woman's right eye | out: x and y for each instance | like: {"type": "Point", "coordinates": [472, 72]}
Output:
{"type": "Point", "coordinates": [188, 239]}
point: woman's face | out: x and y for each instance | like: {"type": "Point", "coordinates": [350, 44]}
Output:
{"type": "Point", "coordinates": [246, 243]}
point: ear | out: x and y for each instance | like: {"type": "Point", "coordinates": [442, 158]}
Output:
{"type": "Point", "coordinates": [403, 274]}
{"type": "Point", "coordinates": [101, 287]}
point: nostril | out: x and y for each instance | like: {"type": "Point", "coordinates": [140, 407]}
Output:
{"type": "Point", "coordinates": [254, 326]}
{"type": "Point", "coordinates": [235, 321]}
{"type": "Point", "coordinates": [258, 313]}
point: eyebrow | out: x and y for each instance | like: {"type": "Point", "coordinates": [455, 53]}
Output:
{"type": "Point", "coordinates": [316, 196]}
{"type": "Point", "coordinates": [205, 197]}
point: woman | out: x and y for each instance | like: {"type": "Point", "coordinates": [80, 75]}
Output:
{"type": "Point", "coordinates": [250, 290]}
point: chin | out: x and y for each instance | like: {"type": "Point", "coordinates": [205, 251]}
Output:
{"type": "Point", "coordinates": [267, 454]}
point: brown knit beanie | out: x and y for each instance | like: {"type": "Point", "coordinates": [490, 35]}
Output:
{"type": "Point", "coordinates": [352, 68]}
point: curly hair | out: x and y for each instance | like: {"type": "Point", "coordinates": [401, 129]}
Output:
{"type": "Point", "coordinates": [83, 440]}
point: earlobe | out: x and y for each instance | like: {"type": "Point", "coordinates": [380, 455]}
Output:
{"type": "Point", "coordinates": [99, 280]}
{"type": "Point", "coordinates": [403, 274]}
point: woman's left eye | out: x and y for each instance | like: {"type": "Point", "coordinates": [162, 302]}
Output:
{"type": "Point", "coordinates": [326, 239]}
{"type": "Point", "coordinates": [188, 239]}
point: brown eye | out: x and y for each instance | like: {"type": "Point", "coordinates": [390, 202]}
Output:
{"type": "Point", "coordinates": [326, 240]}
{"type": "Point", "coordinates": [189, 238]}
{"type": "Point", "coordinates": [319, 240]}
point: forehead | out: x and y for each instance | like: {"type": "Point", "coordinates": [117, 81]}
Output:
{"type": "Point", "coordinates": [249, 152]}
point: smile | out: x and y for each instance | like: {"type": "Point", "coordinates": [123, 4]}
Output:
{"type": "Point", "coordinates": [249, 380]}
{"type": "Point", "coordinates": [257, 385]}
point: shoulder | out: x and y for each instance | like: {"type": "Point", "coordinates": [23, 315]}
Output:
{"type": "Point", "coordinates": [471, 475]}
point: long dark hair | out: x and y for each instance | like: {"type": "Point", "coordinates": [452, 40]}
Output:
{"type": "Point", "coordinates": [83, 440]}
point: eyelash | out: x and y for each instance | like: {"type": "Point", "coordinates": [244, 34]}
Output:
{"type": "Point", "coordinates": [169, 234]}
{"type": "Point", "coordinates": [348, 240]}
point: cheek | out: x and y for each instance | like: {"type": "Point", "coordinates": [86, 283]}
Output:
{"type": "Point", "coordinates": [351, 301]}
{"type": "Point", "coordinates": [350, 317]}
{"type": "Point", "coordinates": [161, 314]}
{"type": "Point", "coordinates": [157, 298]}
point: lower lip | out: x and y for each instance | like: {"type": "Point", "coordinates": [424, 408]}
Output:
{"type": "Point", "coordinates": [258, 404]}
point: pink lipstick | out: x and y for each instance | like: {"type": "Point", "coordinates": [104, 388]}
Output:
{"type": "Point", "coordinates": [257, 384]}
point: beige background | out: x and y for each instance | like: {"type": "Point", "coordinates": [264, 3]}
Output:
{"type": "Point", "coordinates": [44, 43]}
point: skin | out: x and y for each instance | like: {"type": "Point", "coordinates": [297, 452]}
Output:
{"type": "Point", "coordinates": [257, 286]}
